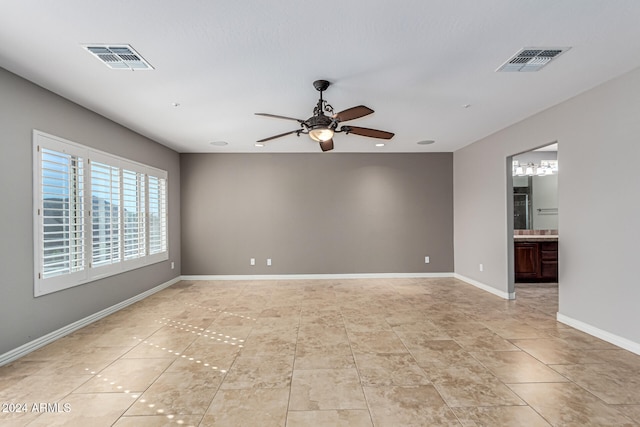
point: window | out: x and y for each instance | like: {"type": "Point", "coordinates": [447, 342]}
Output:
{"type": "Point", "coordinates": [105, 214]}
{"type": "Point", "coordinates": [133, 203]}
{"type": "Point", "coordinates": [62, 213]}
{"type": "Point", "coordinates": [157, 215]}
{"type": "Point", "coordinates": [96, 214]}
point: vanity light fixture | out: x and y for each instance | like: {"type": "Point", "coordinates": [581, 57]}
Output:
{"type": "Point", "coordinates": [546, 167]}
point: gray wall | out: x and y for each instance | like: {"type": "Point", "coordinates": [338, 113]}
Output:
{"type": "Point", "coordinates": [597, 131]}
{"type": "Point", "coordinates": [25, 107]}
{"type": "Point", "coordinates": [316, 213]}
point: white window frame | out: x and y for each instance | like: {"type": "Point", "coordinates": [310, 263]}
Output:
{"type": "Point", "coordinates": [45, 285]}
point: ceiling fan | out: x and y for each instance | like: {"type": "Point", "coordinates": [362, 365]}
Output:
{"type": "Point", "coordinates": [321, 127]}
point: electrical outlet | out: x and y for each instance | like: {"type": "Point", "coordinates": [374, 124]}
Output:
{"type": "Point", "coordinates": [268, 261]}
{"type": "Point", "coordinates": [253, 261]}
{"type": "Point", "coordinates": [426, 260]}
{"type": "Point", "coordinates": [173, 265]}
{"type": "Point", "coordinates": [481, 267]}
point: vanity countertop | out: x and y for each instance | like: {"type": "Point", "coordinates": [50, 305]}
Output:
{"type": "Point", "coordinates": [536, 237]}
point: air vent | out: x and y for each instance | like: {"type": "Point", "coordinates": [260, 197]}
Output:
{"type": "Point", "coordinates": [531, 59]}
{"type": "Point", "coordinates": [119, 57]}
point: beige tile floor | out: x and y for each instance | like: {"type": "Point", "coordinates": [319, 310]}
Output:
{"type": "Point", "coordinates": [396, 352]}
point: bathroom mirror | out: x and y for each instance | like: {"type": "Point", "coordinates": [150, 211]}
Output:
{"type": "Point", "coordinates": [535, 189]}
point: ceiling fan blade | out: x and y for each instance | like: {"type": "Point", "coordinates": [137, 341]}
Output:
{"type": "Point", "coordinates": [371, 133]}
{"type": "Point", "coordinates": [279, 117]}
{"type": "Point", "coordinates": [353, 113]}
{"type": "Point", "coordinates": [327, 145]}
{"type": "Point", "coordinates": [278, 136]}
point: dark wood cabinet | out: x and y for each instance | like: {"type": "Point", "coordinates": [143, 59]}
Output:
{"type": "Point", "coordinates": [536, 261]}
{"type": "Point", "coordinates": [549, 261]}
{"type": "Point", "coordinates": [527, 261]}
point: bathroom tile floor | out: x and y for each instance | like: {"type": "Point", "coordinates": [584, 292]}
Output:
{"type": "Point", "coordinates": [360, 352]}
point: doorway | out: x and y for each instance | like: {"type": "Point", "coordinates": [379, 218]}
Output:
{"type": "Point", "coordinates": [532, 205]}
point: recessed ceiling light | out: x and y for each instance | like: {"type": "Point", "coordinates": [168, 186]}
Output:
{"type": "Point", "coordinates": [259, 144]}
{"type": "Point", "coordinates": [466, 106]}
{"type": "Point", "coordinates": [175, 104]}
{"type": "Point", "coordinates": [380, 144]}
{"type": "Point", "coordinates": [219, 143]}
{"type": "Point", "coordinates": [426, 142]}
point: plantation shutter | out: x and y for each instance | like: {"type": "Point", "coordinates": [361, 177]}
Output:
{"type": "Point", "coordinates": [61, 213]}
{"type": "Point", "coordinates": [95, 215]}
{"type": "Point", "coordinates": [157, 215]}
{"type": "Point", "coordinates": [105, 212]}
{"type": "Point", "coordinates": [134, 216]}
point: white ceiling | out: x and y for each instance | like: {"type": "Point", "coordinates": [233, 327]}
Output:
{"type": "Point", "coordinates": [417, 63]}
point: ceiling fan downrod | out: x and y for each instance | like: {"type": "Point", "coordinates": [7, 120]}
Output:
{"type": "Point", "coordinates": [322, 106]}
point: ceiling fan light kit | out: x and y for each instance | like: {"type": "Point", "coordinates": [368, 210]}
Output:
{"type": "Point", "coordinates": [322, 127]}
{"type": "Point", "coordinates": [321, 134]}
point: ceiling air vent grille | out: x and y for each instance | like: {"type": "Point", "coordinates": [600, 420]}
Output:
{"type": "Point", "coordinates": [119, 57]}
{"type": "Point", "coordinates": [531, 59]}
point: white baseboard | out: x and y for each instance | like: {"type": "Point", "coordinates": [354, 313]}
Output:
{"type": "Point", "coordinates": [27, 348]}
{"type": "Point", "coordinates": [314, 276]}
{"type": "Point", "coordinates": [633, 347]}
{"type": "Point", "coordinates": [484, 287]}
